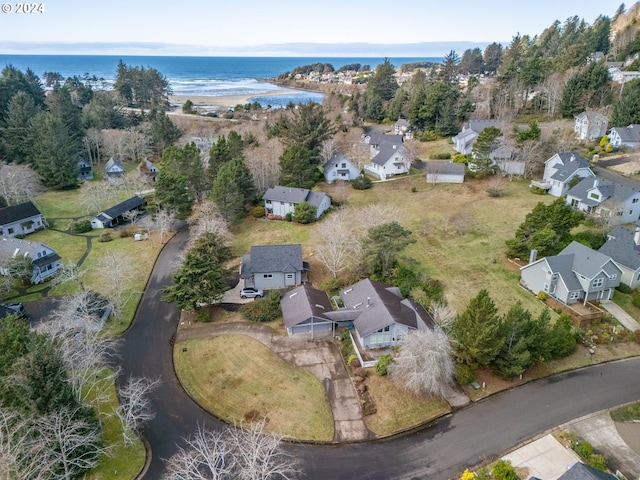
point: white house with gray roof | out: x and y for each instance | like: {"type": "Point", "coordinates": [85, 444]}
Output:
{"type": "Point", "coordinates": [464, 140]}
{"type": "Point", "coordinates": [560, 169]}
{"type": "Point", "coordinates": [340, 167]}
{"type": "Point", "coordinates": [391, 159]}
{"type": "Point", "coordinates": [118, 213]}
{"type": "Point", "coordinates": [590, 125]}
{"type": "Point", "coordinates": [45, 260]}
{"type": "Point", "coordinates": [628, 136]}
{"type": "Point", "coordinates": [577, 274]}
{"type": "Point", "coordinates": [623, 246]}
{"type": "Point", "coordinates": [274, 266]}
{"type": "Point", "coordinates": [282, 200]}
{"type": "Point", "coordinates": [20, 219]}
{"type": "Point", "coordinates": [606, 198]}
{"type": "Point", "coordinates": [114, 169]}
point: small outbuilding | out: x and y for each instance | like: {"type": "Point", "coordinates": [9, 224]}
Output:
{"type": "Point", "coordinates": [113, 216]}
{"type": "Point", "coordinates": [445, 172]}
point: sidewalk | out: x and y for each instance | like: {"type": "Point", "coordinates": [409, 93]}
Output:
{"type": "Point", "coordinates": [619, 314]}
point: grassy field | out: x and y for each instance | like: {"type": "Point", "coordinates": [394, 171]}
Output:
{"type": "Point", "coordinates": [625, 301]}
{"type": "Point", "coordinates": [630, 413]}
{"type": "Point", "coordinates": [238, 386]}
{"type": "Point", "coordinates": [397, 408]}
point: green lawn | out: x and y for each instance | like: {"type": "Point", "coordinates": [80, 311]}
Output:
{"type": "Point", "coordinates": [630, 413]}
{"type": "Point", "coordinates": [239, 379]}
{"type": "Point", "coordinates": [625, 300]}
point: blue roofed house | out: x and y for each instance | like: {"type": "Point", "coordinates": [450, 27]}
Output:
{"type": "Point", "coordinates": [577, 274]}
{"type": "Point", "coordinates": [559, 170]}
{"type": "Point", "coordinates": [45, 260]}
{"type": "Point", "coordinates": [597, 196]}
{"type": "Point", "coordinates": [114, 169]}
{"type": "Point", "coordinates": [113, 216]}
{"type": "Point", "coordinates": [20, 219]}
{"type": "Point", "coordinates": [623, 246]}
{"type": "Point", "coordinates": [280, 201]}
{"type": "Point", "coordinates": [628, 136]}
{"type": "Point", "coordinates": [340, 167]}
{"type": "Point", "coordinates": [274, 266]}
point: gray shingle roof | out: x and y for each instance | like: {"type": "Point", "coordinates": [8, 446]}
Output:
{"type": "Point", "coordinates": [388, 150]}
{"type": "Point", "coordinates": [273, 258]}
{"type": "Point", "coordinates": [580, 471]}
{"type": "Point", "coordinates": [294, 195]}
{"type": "Point", "coordinates": [302, 303]}
{"type": "Point", "coordinates": [586, 261]}
{"type": "Point", "coordinates": [18, 212]}
{"type": "Point", "coordinates": [381, 138]}
{"type": "Point", "coordinates": [622, 248]}
{"type": "Point", "coordinates": [114, 166]}
{"type": "Point", "coordinates": [630, 133]}
{"type": "Point", "coordinates": [379, 306]}
{"type": "Point", "coordinates": [11, 247]}
{"type": "Point", "coordinates": [563, 266]}
{"type": "Point", "coordinates": [479, 125]}
{"type": "Point", "coordinates": [123, 207]}
{"type": "Point", "coordinates": [570, 163]}
{"type": "Point", "coordinates": [609, 190]}
{"type": "Point", "coordinates": [444, 167]}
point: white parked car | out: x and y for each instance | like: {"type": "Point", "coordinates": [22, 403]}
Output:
{"type": "Point", "coordinates": [251, 293]}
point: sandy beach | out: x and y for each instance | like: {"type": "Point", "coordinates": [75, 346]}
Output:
{"type": "Point", "coordinates": [225, 101]}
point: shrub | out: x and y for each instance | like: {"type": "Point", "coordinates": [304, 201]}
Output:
{"type": "Point", "coordinates": [288, 217]}
{"type": "Point", "coordinates": [538, 191]}
{"type": "Point", "coordinates": [465, 374]}
{"type": "Point", "coordinates": [258, 212]}
{"type": "Point", "coordinates": [362, 183]}
{"type": "Point", "coordinates": [352, 357]}
{"type": "Point", "coordinates": [262, 309]}
{"type": "Point", "coordinates": [542, 295]}
{"type": "Point", "coordinates": [83, 226]}
{"type": "Point", "coordinates": [503, 470]}
{"type": "Point", "coordinates": [304, 213]}
{"type": "Point", "coordinates": [360, 372]}
{"type": "Point", "coordinates": [459, 158]}
{"type": "Point", "coordinates": [636, 336]}
{"type": "Point", "coordinates": [495, 192]}
{"type": "Point", "coordinates": [382, 365]}
{"type": "Point", "coordinates": [428, 136]}
{"type": "Point", "coordinates": [105, 237]}
{"type": "Point", "coordinates": [202, 315]}
{"type": "Point", "coordinates": [624, 288]}
{"type": "Point", "coordinates": [414, 189]}
{"type": "Point", "coordinates": [440, 156]}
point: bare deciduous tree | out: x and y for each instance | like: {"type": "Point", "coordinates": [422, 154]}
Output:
{"type": "Point", "coordinates": [18, 183]}
{"type": "Point", "coordinates": [264, 164]}
{"type": "Point", "coordinates": [336, 242]}
{"type": "Point", "coordinates": [135, 406]}
{"type": "Point", "coordinates": [96, 196]}
{"type": "Point", "coordinates": [425, 362]}
{"type": "Point", "coordinates": [530, 152]}
{"type": "Point", "coordinates": [162, 221]}
{"type": "Point", "coordinates": [117, 269]}
{"type": "Point", "coordinates": [443, 314]}
{"type": "Point", "coordinates": [206, 218]}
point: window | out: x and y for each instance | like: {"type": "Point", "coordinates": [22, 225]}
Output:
{"type": "Point", "coordinates": [630, 212]}
{"type": "Point", "coordinates": [613, 276]}
{"type": "Point", "coordinates": [546, 287]}
{"type": "Point", "coordinates": [289, 275]}
{"type": "Point", "coordinates": [598, 282]}
{"type": "Point", "coordinates": [635, 200]}
{"type": "Point", "coordinates": [10, 231]}
{"type": "Point", "coordinates": [267, 275]}
{"type": "Point", "coordinates": [594, 195]}
{"type": "Point", "coordinates": [344, 165]}
{"type": "Point", "coordinates": [268, 202]}
{"type": "Point", "coordinates": [574, 295]}
{"type": "Point", "coordinates": [574, 202]}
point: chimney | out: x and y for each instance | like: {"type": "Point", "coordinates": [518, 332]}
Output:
{"type": "Point", "coordinates": [636, 235]}
{"type": "Point", "coordinates": [533, 255]}
{"type": "Point", "coordinates": [573, 157]}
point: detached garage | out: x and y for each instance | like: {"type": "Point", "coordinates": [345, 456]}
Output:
{"type": "Point", "coordinates": [304, 309]}
{"type": "Point", "coordinates": [445, 172]}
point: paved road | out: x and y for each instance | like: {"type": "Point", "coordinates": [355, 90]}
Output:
{"type": "Point", "coordinates": [485, 429]}
{"type": "Point", "coordinates": [615, 176]}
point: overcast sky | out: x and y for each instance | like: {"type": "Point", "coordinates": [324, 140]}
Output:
{"type": "Point", "coordinates": [253, 27]}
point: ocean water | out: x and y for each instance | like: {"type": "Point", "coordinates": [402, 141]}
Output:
{"type": "Point", "coordinates": [208, 76]}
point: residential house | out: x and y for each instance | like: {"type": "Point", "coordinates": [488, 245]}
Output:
{"type": "Point", "coordinates": [581, 471]}
{"type": "Point", "coordinates": [20, 219]}
{"type": "Point", "coordinates": [402, 127]}
{"type": "Point", "coordinates": [114, 169]}
{"type": "Point", "coordinates": [628, 136]}
{"type": "Point", "coordinates": [391, 159]}
{"type": "Point", "coordinates": [376, 141]}
{"type": "Point", "coordinates": [559, 170]}
{"type": "Point", "coordinates": [590, 125]}
{"type": "Point", "coordinates": [504, 157]}
{"type": "Point", "coordinates": [274, 266]}
{"type": "Point", "coordinates": [623, 76]}
{"type": "Point", "coordinates": [577, 274]}
{"type": "Point", "coordinates": [444, 172]}
{"type": "Point", "coordinates": [464, 140]}
{"type": "Point", "coordinates": [304, 310]}
{"type": "Point", "coordinates": [148, 169]}
{"type": "Point", "coordinates": [623, 246]}
{"type": "Point", "coordinates": [113, 216]}
{"type": "Point", "coordinates": [340, 167]}
{"type": "Point", "coordinates": [45, 260]}
{"type": "Point", "coordinates": [606, 198]}
{"type": "Point", "coordinates": [283, 200]}
{"type": "Point", "coordinates": [85, 169]}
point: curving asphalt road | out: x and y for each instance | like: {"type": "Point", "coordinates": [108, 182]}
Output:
{"type": "Point", "coordinates": [483, 430]}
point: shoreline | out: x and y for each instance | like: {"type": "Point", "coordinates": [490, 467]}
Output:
{"type": "Point", "coordinates": [228, 101]}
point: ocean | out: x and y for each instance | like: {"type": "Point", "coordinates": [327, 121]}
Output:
{"type": "Point", "coordinates": [206, 76]}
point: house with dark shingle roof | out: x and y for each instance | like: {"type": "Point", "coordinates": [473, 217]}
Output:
{"type": "Point", "coordinates": [577, 274]}
{"type": "Point", "coordinates": [20, 219]}
{"type": "Point", "coordinates": [111, 217]}
{"type": "Point", "coordinates": [339, 167]}
{"type": "Point", "coordinates": [305, 309]}
{"type": "Point", "coordinates": [623, 246]}
{"type": "Point", "coordinates": [85, 169]}
{"type": "Point", "coordinates": [45, 260]}
{"type": "Point", "coordinates": [560, 169]}
{"type": "Point", "coordinates": [114, 169]}
{"type": "Point", "coordinates": [391, 159]}
{"type": "Point", "coordinates": [464, 140]}
{"type": "Point", "coordinates": [628, 136]}
{"type": "Point", "coordinates": [282, 200]}
{"type": "Point", "coordinates": [606, 198]}
{"type": "Point", "coordinates": [274, 266]}
{"type": "Point", "coordinates": [580, 471]}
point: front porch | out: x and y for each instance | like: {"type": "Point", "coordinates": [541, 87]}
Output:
{"type": "Point", "coordinates": [581, 314]}
{"type": "Point", "coordinates": [540, 184]}
{"type": "Point", "coordinates": [367, 356]}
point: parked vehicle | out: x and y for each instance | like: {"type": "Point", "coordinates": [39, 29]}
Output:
{"type": "Point", "coordinates": [17, 308]}
{"type": "Point", "coordinates": [251, 293]}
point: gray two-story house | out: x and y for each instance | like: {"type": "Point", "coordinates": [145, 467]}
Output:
{"type": "Point", "coordinates": [274, 266]}
{"type": "Point", "coordinates": [577, 274]}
